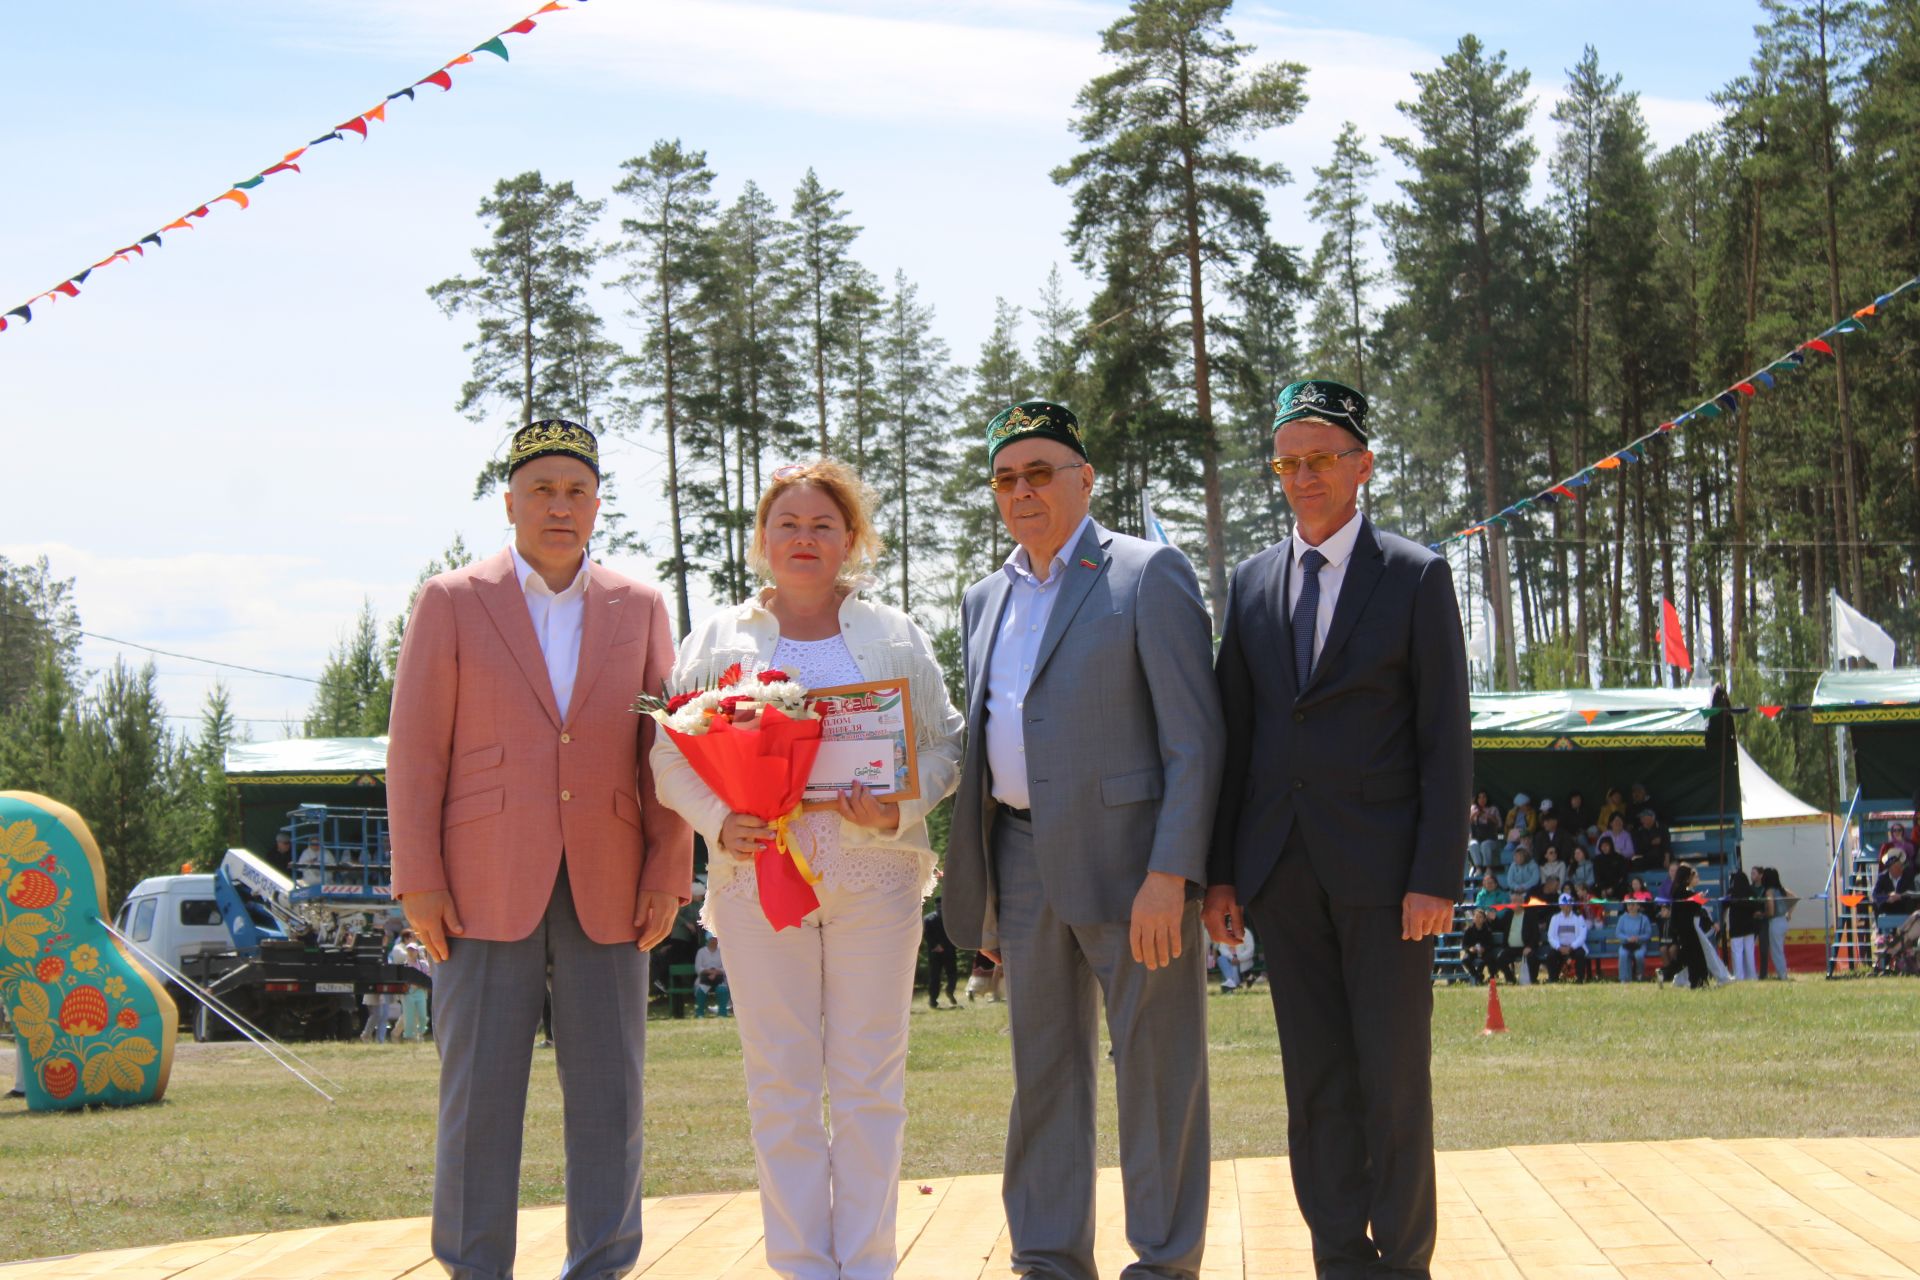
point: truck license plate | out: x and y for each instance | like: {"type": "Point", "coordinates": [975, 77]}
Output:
{"type": "Point", "coordinates": [334, 988]}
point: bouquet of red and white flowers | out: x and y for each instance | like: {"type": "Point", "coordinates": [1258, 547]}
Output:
{"type": "Point", "coordinates": [752, 738]}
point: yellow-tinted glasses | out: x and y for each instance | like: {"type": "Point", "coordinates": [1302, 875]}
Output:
{"type": "Point", "coordinates": [1290, 463]}
{"type": "Point", "coordinates": [1037, 474]}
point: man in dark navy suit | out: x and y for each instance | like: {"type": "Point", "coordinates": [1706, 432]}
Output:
{"type": "Point", "coordinates": [1343, 680]}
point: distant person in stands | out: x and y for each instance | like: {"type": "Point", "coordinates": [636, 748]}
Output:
{"type": "Point", "coordinates": [283, 850]}
{"type": "Point", "coordinates": [1553, 864]}
{"type": "Point", "coordinates": [1549, 891]}
{"type": "Point", "coordinates": [1483, 831]}
{"type": "Point", "coordinates": [1893, 891]}
{"type": "Point", "coordinates": [1567, 941]}
{"type": "Point", "coordinates": [1581, 873]}
{"type": "Point", "coordinates": [1522, 817]}
{"type": "Point", "coordinates": [1779, 909]}
{"type": "Point", "coordinates": [1616, 806]}
{"type": "Point", "coordinates": [1632, 935]}
{"type": "Point", "coordinates": [313, 863]}
{"type": "Point", "coordinates": [1479, 947]}
{"type": "Point", "coordinates": [1578, 818]}
{"type": "Point", "coordinates": [1650, 843]}
{"type": "Point", "coordinates": [1639, 798]}
{"type": "Point", "coordinates": [1743, 926]}
{"type": "Point", "coordinates": [1596, 915]}
{"type": "Point", "coordinates": [1897, 838]}
{"type": "Point", "coordinates": [1609, 871]}
{"type": "Point", "coordinates": [1623, 840]}
{"type": "Point", "coordinates": [710, 981]}
{"type": "Point", "coordinates": [1520, 936]}
{"type": "Point", "coordinates": [1524, 873]}
{"type": "Point", "coordinates": [1552, 834]}
{"type": "Point", "coordinates": [1489, 895]}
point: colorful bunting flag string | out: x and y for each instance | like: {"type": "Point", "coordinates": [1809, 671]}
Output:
{"type": "Point", "coordinates": [1771, 711]}
{"type": "Point", "coordinates": [1727, 401]}
{"type": "Point", "coordinates": [236, 193]}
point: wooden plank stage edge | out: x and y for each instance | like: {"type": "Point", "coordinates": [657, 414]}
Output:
{"type": "Point", "coordinates": [1697, 1209]}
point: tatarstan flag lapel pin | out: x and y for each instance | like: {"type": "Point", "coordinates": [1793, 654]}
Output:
{"type": "Point", "coordinates": [1088, 564]}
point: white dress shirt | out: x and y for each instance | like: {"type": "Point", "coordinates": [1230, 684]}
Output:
{"type": "Point", "coordinates": [1010, 666]}
{"type": "Point", "coordinates": [556, 623]}
{"type": "Point", "coordinates": [1338, 549]}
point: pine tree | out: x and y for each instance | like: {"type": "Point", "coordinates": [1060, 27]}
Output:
{"type": "Point", "coordinates": [121, 769]}
{"type": "Point", "coordinates": [347, 702]}
{"type": "Point", "coordinates": [1456, 243]}
{"type": "Point", "coordinates": [860, 318]}
{"type": "Point", "coordinates": [1000, 377]}
{"type": "Point", "coordinates": [667, 254]}
{"type": "Point", "coordinates": [915, 386]}
{"type": "Point", "coordinates": [1341, 275]}
{"type": "Point", "coordinates": [537, 347]}
{"type": "Point", "coordinates": [820, 240]}
{"type": "Point", "coordinates": [1161, 129]}
{"type": "Point", "coordinates": [210, 813]}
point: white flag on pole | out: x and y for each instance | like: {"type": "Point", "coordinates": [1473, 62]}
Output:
{"type": "Point", "coordinates": [1155, 531]}
{"type": "Point", "coordinates": [1855, 635]}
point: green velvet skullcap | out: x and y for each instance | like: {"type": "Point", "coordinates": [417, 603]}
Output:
{"type": "Point", "coordinates": [1322, 398]}
{"type": "Point", "coordinates": [1035, 419]}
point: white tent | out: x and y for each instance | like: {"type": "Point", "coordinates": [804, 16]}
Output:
{"type": "Point", "coordinates": [1778, 829]}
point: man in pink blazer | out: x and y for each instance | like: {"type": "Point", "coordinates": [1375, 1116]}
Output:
{"type": "Point", "coordinates": [531, 856]}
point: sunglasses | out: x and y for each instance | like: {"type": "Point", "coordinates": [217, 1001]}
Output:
{"type": "Point", "coordinates": [791, 471]}
{"type": "Point", "coordinates": [1038, 475]}
{"type": "Point", "coordinates": [1289, 463]}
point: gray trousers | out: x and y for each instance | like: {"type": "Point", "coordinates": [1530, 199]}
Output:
{"type": "Point", "coordinates": [486, 1007]}
{"type": "Point", "coordinates": [1058, 977]}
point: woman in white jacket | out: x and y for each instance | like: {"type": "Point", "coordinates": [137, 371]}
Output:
{"type": "Point", "coordinates": [822, 1008]}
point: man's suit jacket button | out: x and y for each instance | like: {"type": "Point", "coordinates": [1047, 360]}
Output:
{"type": "Point", "coordinates": [567, 737]}
{"type": "Point", "coordinates": [1299, 717]}
{"type": "Point", "coordinates": [568, 795]}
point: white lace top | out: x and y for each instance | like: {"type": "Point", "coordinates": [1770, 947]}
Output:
{"type": "Point", "coordinates": [821, 664]}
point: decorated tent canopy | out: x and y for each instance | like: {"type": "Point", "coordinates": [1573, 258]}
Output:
{"type": "Point", "coordinates": [1881, 710]}
{"type": "Point", "coordinates": [1763, 800]}
{"type": "Point", "coordinates": [1557, 741]}
{"type": "Point", "coordinates": [267, 779]}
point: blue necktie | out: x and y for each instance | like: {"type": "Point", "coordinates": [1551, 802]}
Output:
{"type": "Point", "coordinates": [1306, 615]}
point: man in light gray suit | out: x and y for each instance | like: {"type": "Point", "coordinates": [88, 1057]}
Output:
{"type": "Point", "coordinates": [1079, 850]}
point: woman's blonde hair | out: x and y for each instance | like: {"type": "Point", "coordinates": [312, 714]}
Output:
{"type": "Point", "coordinates": [846, 491]}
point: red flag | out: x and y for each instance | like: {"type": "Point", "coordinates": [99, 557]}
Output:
{"type": "Point", "coordinates": [1769, 712]}
{"type": "Point", "coordinates": [1673, 642]}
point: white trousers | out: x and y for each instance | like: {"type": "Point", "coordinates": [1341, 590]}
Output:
{"type": "Point", "coordinates": [822, 1009]}
{"type": "Point", "coordinates": [1745, 964]}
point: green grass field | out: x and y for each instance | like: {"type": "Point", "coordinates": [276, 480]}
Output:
{"type": "Point", "coordinates": [239, 1146]}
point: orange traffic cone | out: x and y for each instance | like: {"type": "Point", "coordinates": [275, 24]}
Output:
{"type": "Point", "coordinates": [1495, 1023]}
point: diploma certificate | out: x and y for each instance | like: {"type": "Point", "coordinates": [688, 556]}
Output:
{"type": "Point", "coordinates": [866, 736]}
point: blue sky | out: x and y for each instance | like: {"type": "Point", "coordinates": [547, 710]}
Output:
{"type": "Point", "coordinates": [231, 443]}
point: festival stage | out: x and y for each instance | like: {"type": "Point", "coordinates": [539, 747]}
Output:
{"type": "Point", "coordinates": [1755, 1209]}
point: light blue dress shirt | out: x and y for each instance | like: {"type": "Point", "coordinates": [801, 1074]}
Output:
{"type": "Point", "coordinates": [1010, 666]}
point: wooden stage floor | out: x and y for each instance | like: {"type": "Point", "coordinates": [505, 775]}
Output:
{"type": "Point", "coordinates": [1761, 1209]}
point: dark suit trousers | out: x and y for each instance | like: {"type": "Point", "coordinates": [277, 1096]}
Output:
{"type": "Point", "coordinates": [1354, 1003]}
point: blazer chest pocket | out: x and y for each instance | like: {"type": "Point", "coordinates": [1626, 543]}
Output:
{"type": "Point", "coordinates": [483, 758]}
{"type": "Point", "coordinates": [472, 808]}
{"type": "Point", "coordinates": [1385, 788]}
{"type": "Point", "coordinates": [1132, 788]}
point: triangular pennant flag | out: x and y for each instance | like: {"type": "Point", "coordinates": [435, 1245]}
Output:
{"type": "Point", "coordinates": [238, 197]}
{"type": "Point", "coordinates": [1668, 426]}
{"type": "Point", "coordinates": [1561, 489]}
{"type": "Point", "coordinates": [1764, 378]}
{"type": "Point", "coordinates": [1819, 344]}
{"type": "Point", "coordinates": [1871, 309]}
{"type": "Point", "coordinates": [1768, 712]}
{"type": "Point", "coordinates": [1708, 411]}
{"type": "Point", "coordinates": [1852, 899]}
{"type": "Point", "coordinates": [326, 137]}
{"type": "Point", "coordinates": [440, 78]}
{"type": "Point", "coordinates": [3, 329]}
{"type": "Point", "coordinates": [461, 61]}
{"type": "Point", "coordinates": [1727, 400]}
{"type": "Point", "coordinates": [1849, 325]}
{"type": "Point", "coordinates": [1606, 464]}
{"type": "Point", "coordinates": [1589, 715]}
{"type": "Point", "coordinates": [250, 183]}
{"type": "Point", "coordinates": [82, 277]}
{"type": "Point", "coordinates": [151, 236]}
{"type": "Point", "coordinates": [293, 155]}
{"type": "Point", "coordinates": [1581, 480]}
{"type": "Point", "coordinates": [378, 113]}
{"type": "Point", "coordinates": [519, 28]}
{"type": "Point", "coordinates": [357, 125]}
{"type": "Point", "coordinates": [283, 166]}
{"type": "Point", "coordinates": [551, 6]}
{"type": "Point", "coordinates": [406, 93]}
{"type": "Point", "coordinates": [1745, 388]}
{"type": "Point", "coordinates": [24, 312]}
{"type": "Point", "coordinates": [178, 224]}
{"type": "Point", "coordinates": [67, 287]}
{"type": "Point", "coordinates": [494, 46]}
{"type": "Point", "coordinates": [134, 248]}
